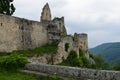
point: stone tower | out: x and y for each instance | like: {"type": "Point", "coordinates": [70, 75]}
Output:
{"type": "Point", "coordinates": [46, 13]}
{"type": "Point", "coordinates": [82, 42]}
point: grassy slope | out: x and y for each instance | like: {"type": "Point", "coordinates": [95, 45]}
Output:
{"type": "Point", "coordinates": [4, 75]}
{"type": "Point", "coordinates": [46, 49]}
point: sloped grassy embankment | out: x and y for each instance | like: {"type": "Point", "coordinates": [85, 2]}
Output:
{"type": "Point", "coordinates": [12, 63]}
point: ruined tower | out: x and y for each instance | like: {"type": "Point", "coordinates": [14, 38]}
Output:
{"type": "Point", "coordinates": [61, 25]}
{"type": "Point", "coordinates": [82, 42]}
{"type": "Point", "coordinates": [46, 13]}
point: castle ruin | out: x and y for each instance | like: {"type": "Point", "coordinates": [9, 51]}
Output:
{"type": "Point", "coordinates": [22, 34]}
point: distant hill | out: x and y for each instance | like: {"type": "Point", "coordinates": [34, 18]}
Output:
{"type": "Point", "coordinates": [111, 51]}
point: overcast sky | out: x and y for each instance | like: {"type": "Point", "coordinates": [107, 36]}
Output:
{"type": "Point", "coordinates": [100, 19]}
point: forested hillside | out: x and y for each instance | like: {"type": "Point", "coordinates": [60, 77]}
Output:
{"type": "Point", "coordinates": [110, 51]}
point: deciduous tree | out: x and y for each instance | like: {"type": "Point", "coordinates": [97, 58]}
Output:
{"type": "Point", "coordinates": [7, 7]}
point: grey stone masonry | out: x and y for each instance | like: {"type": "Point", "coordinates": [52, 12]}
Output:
{"type": "Point", "coordinates": [21, 34]}
{"type": "Point", "coordinates": [75, 72]}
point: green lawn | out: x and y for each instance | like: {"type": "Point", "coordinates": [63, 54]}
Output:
{"type": "Point", "coordinates": [5, 75]}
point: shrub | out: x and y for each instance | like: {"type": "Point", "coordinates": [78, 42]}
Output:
{"type": "Point", "coordinates": [72, 60]}
{"type": "Point", "coordinates": [81, 53]}
{"type": "Point", "coordinates": [76, 62]}
{"type": "Point", "coordinates": [86, 62]}
{"type": "Point", "coordinates": [66, 47]}
{"type": "Point", "coordinates": [72, 55]}
{"type": "Point", "coordinates": [13, 62]}
{"type": "Point", "coordinates": [91, 55]}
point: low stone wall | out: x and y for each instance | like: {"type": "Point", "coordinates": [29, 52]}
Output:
{"type": "Point", "coordinates": [77, 73]}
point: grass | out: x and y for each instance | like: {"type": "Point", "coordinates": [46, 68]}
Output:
{"type": "Point", "coordinates": [46, 49]}
{"type": "Point", "coordinates": [5, 75]}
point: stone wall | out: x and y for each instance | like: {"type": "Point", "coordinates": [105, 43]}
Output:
{"type": "Point", "coordinates": [19, 34]}
{"type": "Point", "coordinates": [75, 72]}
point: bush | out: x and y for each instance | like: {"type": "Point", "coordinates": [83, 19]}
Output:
{"type": "Point", "coordinates": [86, 62]}
{"type": "Point", "coordinates": [72, 60]}
{"type": "Point", "coordinates": [81, 53]}
{"type": "Point", "coordinates": [13, 62]}
{"type": "Point", "coordinates": [72, 55]}
{"type": "Point", "coordinates": [66, 47]}
{"type": "Point", "coordinates": [77, 62]}
{"type": "Point", "coordinates": [91, 56]}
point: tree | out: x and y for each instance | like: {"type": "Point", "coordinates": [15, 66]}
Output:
{"type": "Point", "coordinates": [116, 66]}
{"type": "Point", "coordinates": [6, 7]}
{"type": "Point", "coordinates": [101, 63]}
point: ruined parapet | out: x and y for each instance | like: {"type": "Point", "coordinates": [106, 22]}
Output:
{"type": "Point", "coordinates": [46, 13]}
{"type": "Point", "coordinates": [60, 24]}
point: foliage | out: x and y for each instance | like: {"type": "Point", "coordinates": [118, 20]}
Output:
{"type": "Point", "coordinates": [12, 62]}
{"type": "Point", "coordinates": [81, 52]}
{"type": "Point", "coordinates": [101, 63]}
{"type": "Point", "coordinates": [4, 53]}
{"type": "Point", "coordinates": [72, 55]}
{"type": "Point", "coordinates": [66, 47]}
{"type": "Point", "coordinates": [91, 56]}
{"type": "Point", "coordinates": [7, 7]}
{"type": "Point", "coordinates": [116, 66]}
{"type": "Point", "coordinates": [74, 60]}
{"type": "Point", "coordinates": [86, 62]}
{"type": "Point", "coordinates": [63, 35]}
